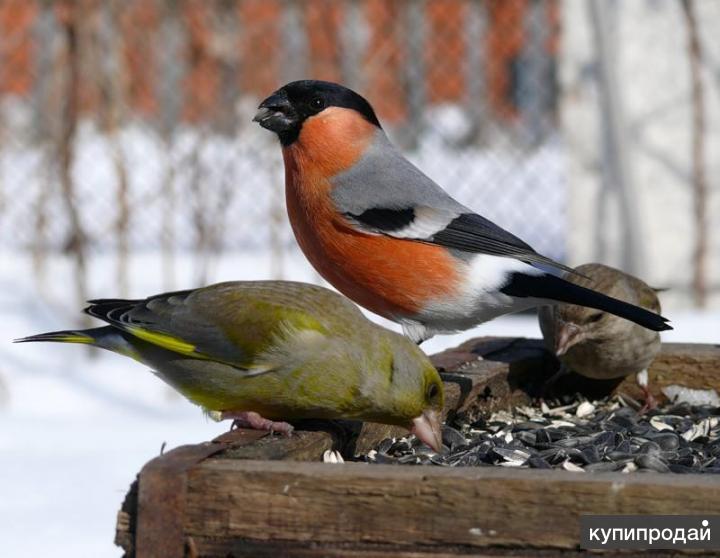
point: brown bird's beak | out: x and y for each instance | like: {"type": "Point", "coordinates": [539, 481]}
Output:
{"type": "Point", "coordinates": [427, 429]}
{"type": "Point", "coordinates": [566, 336]}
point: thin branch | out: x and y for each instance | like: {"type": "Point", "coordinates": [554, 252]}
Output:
{"type": "Point", "coordinates": [699, 181]}
{"type": "Point", "coordinates": [115, 80]}
{"type": "Point", "coordinates": [76, 243]}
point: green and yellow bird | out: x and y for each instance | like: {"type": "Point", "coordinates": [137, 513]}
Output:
{"type": "Point", "coordinates": [264, 352]}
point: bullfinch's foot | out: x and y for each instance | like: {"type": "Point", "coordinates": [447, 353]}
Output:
{"type": "Point", "coordinates": [650, 401]}
{"type": "Point", "coordinates": [253, 420]}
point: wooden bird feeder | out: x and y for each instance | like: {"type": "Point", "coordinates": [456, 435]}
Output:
{"type": "Point", "coordinates": [250, 494]}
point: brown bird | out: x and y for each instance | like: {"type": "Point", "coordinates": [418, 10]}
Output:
{"type": "Point", "coordinates": [599, 345]}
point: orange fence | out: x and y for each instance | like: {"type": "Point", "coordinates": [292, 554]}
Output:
{"type": "Point", "coordinates": [246, 39]}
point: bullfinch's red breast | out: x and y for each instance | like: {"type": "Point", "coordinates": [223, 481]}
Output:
{"type": "Point", "coordinates": [390, 238]}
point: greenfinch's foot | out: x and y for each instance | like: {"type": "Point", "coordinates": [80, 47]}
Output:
{"type": "Point", "coordinates": [251, 419]}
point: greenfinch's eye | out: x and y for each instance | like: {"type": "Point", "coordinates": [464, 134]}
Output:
{"type": "Point", "coordinates": [317, 103]}
{"type": "Point", "coordinates": [432, 391]}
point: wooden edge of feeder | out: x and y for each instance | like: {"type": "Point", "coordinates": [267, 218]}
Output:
{"type": "Point", "coordinates": [416, 509]}
{"type": "Point", "coordinates": [497, 373]}
{"type": "Point", "coordinates": [481, 376]}
{"type": "Point", "coordinates": [150, 520]}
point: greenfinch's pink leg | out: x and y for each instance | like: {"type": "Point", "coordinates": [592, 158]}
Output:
{"type": "Point", "coordinates": [250, 419]}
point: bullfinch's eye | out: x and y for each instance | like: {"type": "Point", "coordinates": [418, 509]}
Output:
{"type": "Point", "coordinates": [317, 103]}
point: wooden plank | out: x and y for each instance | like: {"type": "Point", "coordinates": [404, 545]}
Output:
{"type": "Point", "coordinates": [150, 522]}
{"type": "Point", "coordinates": [490, 373]}
{"type": "Point", "coordinates": [126, 523]}
{"type": "Point", "coordinates": [423, 507]}
{"type": "Point", "coordinates": [301, 446]}
{"type": "Point", "coordinates": [372, 433]}
{"type": "Point", "coordinates": [222, 548]}
{"type": "Point", "coordinates": [162, 491]}
{"type": "Point", "coordinates": [494, 373]}
{"type": "Point", "coordinates": [691, 365]}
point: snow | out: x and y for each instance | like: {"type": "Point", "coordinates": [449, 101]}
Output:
{"type": "Point", "coordinates": [77, 424]}
{"type": "Point", "coordinates": [234, 184]}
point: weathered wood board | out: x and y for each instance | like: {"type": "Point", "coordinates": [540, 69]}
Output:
{"type": "Point", "coordinates": [251, 494]}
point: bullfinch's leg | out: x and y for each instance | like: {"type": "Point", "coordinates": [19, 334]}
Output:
{"type": "Point", "coordinates": [250, 419]}
{"type": "Point", "coordinates": [650, 401]}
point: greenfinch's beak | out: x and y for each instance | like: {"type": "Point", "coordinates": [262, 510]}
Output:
{"type": "Point", "coordinates": [427, 429]}
{"type": "Point", "coordinates": [565, 337]}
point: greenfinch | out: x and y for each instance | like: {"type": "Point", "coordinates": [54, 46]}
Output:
{"type": "Point", "coordinates": [265, 352]}
{"type": "Point", "coordinates": [599, 345]}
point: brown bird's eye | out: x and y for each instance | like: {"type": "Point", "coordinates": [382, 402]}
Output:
{"type": "Point", "coordinates": [596, 317]}
{"type": "Point", "coordinates": [317, 103]}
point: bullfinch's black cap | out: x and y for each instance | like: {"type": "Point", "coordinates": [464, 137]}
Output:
{"type": "Point", "coordinates": [285, 111]}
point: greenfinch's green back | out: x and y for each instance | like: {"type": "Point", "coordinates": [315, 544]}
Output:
{"type": "Point", "coordinates": [272, 351]}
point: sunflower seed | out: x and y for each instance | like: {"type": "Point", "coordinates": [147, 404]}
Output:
{"type": "Point", "coordinates": [605, 435]}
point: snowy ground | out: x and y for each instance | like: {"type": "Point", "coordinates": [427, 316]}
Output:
{"type": "Point", "coordinates": [77, 426]}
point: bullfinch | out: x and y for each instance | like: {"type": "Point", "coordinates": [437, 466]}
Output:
{"type": "Point", "coordinates": [265, 352]}
{"type": "Point", "coordinates": [389, 238]}
{"type": "Point", "coordinates": [599, 345]}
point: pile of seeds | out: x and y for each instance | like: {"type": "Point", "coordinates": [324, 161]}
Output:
{"type": "Point", "coordinates": [583, 436]}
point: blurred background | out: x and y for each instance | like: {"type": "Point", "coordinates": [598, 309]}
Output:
{"type": "Point", "coordinates": [129, 165]}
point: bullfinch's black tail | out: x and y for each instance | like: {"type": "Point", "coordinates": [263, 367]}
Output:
{"type": "Point", "coordinates": [554, 288]}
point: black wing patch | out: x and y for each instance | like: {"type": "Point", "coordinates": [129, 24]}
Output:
{"type": "Point", "coordinates": [472, 233]}
{"type": "Point", "coordinates": [468, 232]}
{"type": "Point", "coordinates": [385, 220]}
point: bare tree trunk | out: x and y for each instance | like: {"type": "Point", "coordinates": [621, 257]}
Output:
{"type": "Point", "coordinates": [114, 80]}
{"type": "Point", "coordinates": [476, 100]}
{"type": "Point", "coordinates": [616, 172]}
{"type": "Point", "coordinates": [76, 242]}
{"type": "Point", "coordinates": [171, 44]}
{"type": "Point", "coordinates": [535, 74]}
{"type": "Point", "coordinates": [44, 33]}
{"type": "Point", "coordinates": [352, 33]}
{"type": "Point", "coordinates": [295, 56]}
{"type": "Point", "coordinates": [700, 189]}
{"type": "Point", "coordinates": [415, 78]}
{"type": "Point", "coordinates": [200, 206]}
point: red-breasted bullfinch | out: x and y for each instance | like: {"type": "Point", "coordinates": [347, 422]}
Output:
{"type": "Point", "coordinates": [389, 238]}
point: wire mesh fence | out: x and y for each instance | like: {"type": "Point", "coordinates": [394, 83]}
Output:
{"type": "Point", "coordinates": [125, 125]}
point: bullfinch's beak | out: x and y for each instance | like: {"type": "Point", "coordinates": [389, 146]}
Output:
{"type": "Point", "coordinates": [427, 429]}
{"type": "Point", "coordinates": [276, 113]}
{"type": "Point", "coordinates": [565, 337]}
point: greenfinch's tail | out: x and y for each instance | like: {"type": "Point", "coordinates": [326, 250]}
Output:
{"type": "Point", "coordinates": [107, 337]}
{"type": "Point", "coordinates": [85, 337]}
